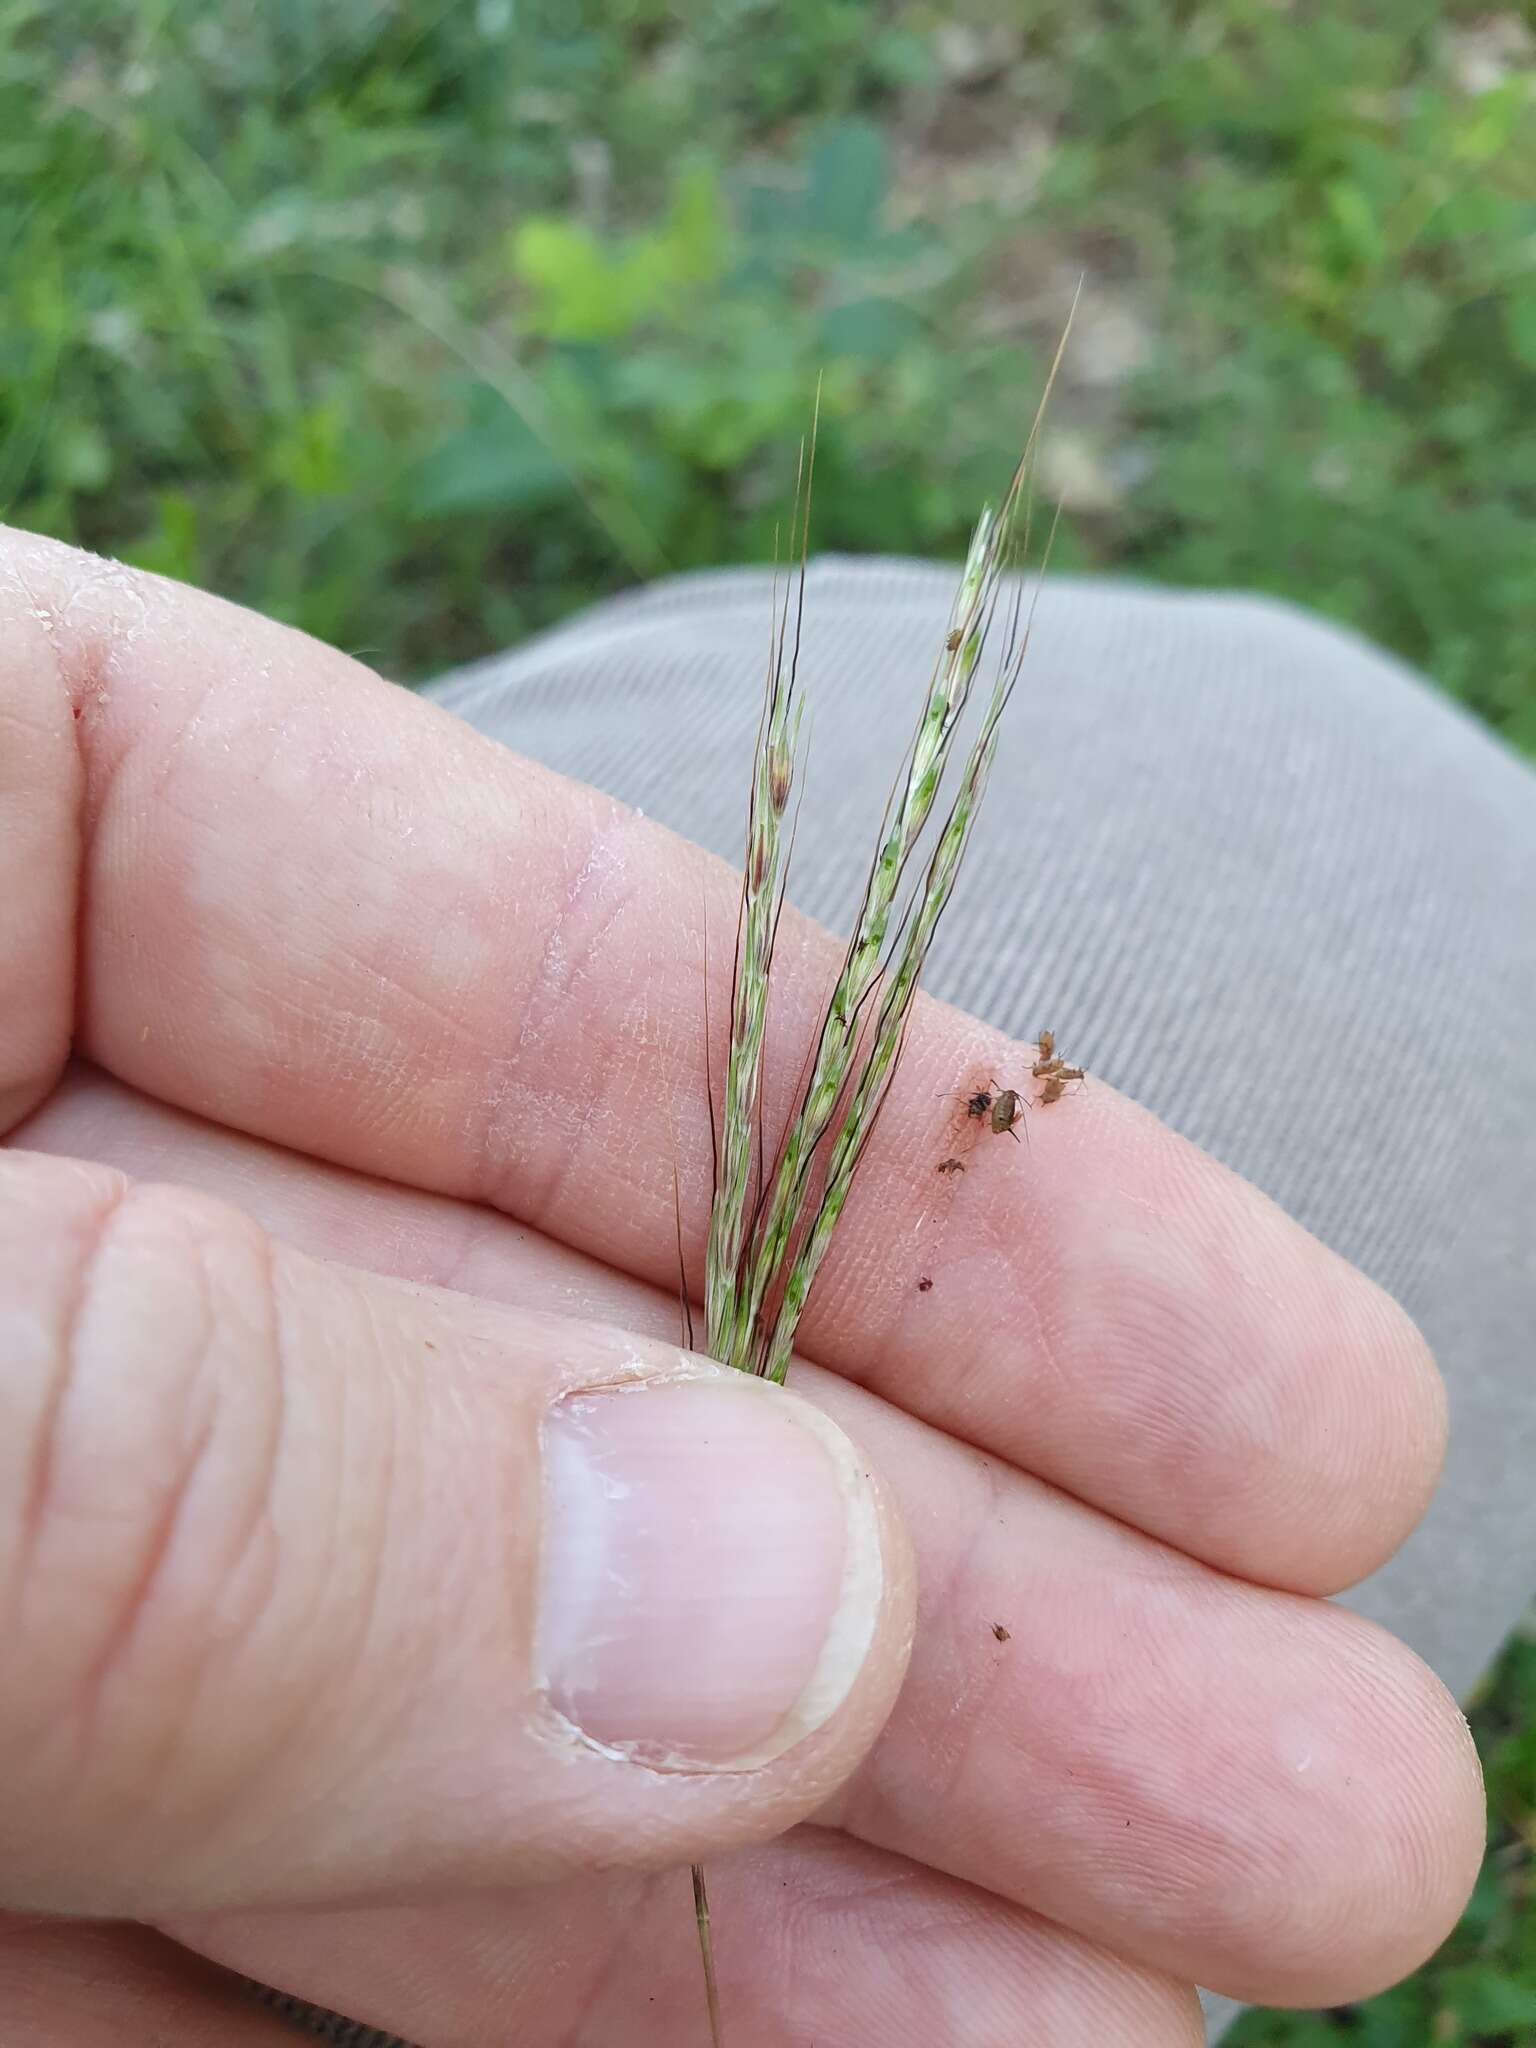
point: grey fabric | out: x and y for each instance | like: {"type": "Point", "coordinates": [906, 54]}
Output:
{"type": "Point", "coordinates": [321, 2025]}
{"type": "Point", "coordinates": [1256, 875]}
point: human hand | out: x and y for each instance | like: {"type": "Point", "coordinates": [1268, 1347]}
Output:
{"type": "Point", "coordinates": [421, 1024]}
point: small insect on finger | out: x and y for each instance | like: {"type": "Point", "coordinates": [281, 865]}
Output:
{"type": "Point", "coordinates": [1054, 1085]}
{"type": "Point", "coordinates": [976, 1105]}
{"type": "Point", "coordinates": [997, 1110]}
{"type": "Point", "coordinates": [1052, 1071]}
{"type": "Point", "coordinates": [925, 1286]}
{"type": "Point", "coordinates": [1006, 1112]}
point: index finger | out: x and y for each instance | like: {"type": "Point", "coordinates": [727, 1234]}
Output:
{"type": "Point", "coordinates": [324, 912]}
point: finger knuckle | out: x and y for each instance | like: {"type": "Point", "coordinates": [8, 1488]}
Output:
{"type": "Point", "coordinates": [134, 1548]}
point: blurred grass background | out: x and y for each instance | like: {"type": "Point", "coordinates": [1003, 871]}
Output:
{"type": "Point", "coordinates": [421, 325]}
{"type": "Point", "coordinates": [418, 325]}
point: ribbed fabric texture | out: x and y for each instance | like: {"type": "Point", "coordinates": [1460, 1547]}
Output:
{"type": "Point", "coordinates": [319, 2024]}
{"type": "Point", "coordinates": [1254, 873]}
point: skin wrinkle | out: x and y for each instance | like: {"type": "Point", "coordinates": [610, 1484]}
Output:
{"type": "Point", "coordinates": [609, 1957]}
{"type": "Point", "coordinates": [35, 1509]}
{"type": "Point", "coordinates": [1216, 1441]}
{"type": "Point", "coordinates": [26, 1091]}
{"type": "Point", "coordinates": [986, 1682]}
{"type": "Point", "coordinates": [138, 1600]}
{"type": "Point", "coordinates": [118, 1646]}
{"type": "Point", "coordinates": [866, 1805]}
{"type": "Point", "coordinates": [493, 1154]}
{"type": "Point", "coordinates": [1030, 1289]}
{"type": "Point", "coordinates": [334, 1548]}
{"type": "Point", "coordinates": [1033, 1284]}
{"type": "Point", "coordinates": [83, 670]}
{"type": "Point", "coordinates": [290, 1732]}
{"type": "Point", "coordinates": [258, 1527]}
{"type": "Point", "coordinates": [379, 965]}
{"type": "Point", "coordinates": [354, 1029]}
{"type": "Point", "coordinates": [366, 1609]}
{"type": "Point", "coordinates": [1047, 1329]}
{"type": "Point", "coordinates": [982, 1679]}
{"type": "Point", "coordinates": [450, 1266]}
{"type": "Point", "coordinates": [84, 1700]}
{"type": "Point", "coordinates": [505, 1180]}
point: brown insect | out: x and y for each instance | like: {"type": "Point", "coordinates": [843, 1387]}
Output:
{"type": "Point", "coordinates": [1052, 1072]}
{"type": "Point", "coordinates": [999, 1109]}
{"type": "Point", "coordinates": [996, 1109]}
{"type": "Point", "coordinates": [1007, 1110]}
{"type": "Point", "coordinates": [925, 1286]}
{"type": "Point", "coordinates": [1000, 1632]}
{"type": "Point", "coordinates": [953, 638]}
{"type": "Point", "coordinates": [1054, 1086]}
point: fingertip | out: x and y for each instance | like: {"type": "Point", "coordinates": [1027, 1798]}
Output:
{"type": "Point", "coordinates": [1403, 1434]}
{"type": "Point", "coordinates": [1369, 1418]}
{"type": "Point", "coordinates": [1295, 1420]}
{"type": "Point", "coordinates": [1371, 1834]}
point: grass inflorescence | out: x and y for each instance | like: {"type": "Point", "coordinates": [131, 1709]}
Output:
{"type": "Point", "coordinates": [773, 1216]}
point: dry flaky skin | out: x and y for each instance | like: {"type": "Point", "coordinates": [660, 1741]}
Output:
{"type": "Point", "coordinates": [767, 1241]}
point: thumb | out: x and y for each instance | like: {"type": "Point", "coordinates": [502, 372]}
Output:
{"type": "Point", "coordinates": [315, 1585]}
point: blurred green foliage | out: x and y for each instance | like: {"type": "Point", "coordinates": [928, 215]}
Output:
{"type": "Point", "coordinates": [418, 325]}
